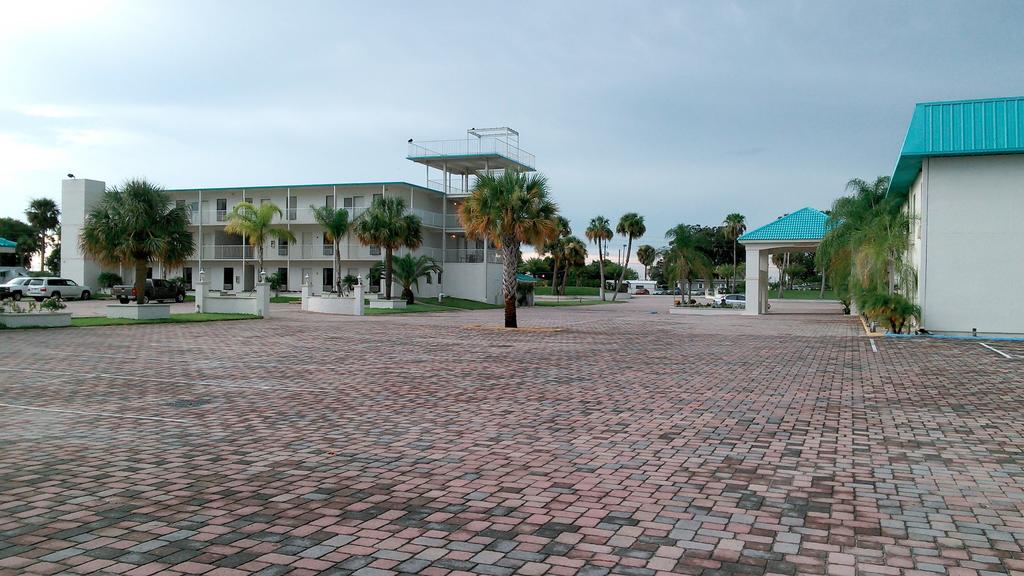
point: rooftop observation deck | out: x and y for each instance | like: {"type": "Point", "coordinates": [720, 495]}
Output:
{"type": "Point", "coordinates": [481, 149]}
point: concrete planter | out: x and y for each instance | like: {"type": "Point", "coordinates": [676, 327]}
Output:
{"type": "Point", "coordinates": [36, 319]}
{"type": "Point", "coordinates": [388, 304]}
{"type": "Point", "coordinates": [139, 312]}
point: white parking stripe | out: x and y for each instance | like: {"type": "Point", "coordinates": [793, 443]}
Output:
{"type": "Point", "coordinates": [873, 347]}
{"type": "Point", "coordinates": [997, 351]}
{"type": "Point", "coordinates": [105, 414]}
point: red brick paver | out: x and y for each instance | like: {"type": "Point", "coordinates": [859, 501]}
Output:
{"type": "Point", "coordinates": [627, 443]}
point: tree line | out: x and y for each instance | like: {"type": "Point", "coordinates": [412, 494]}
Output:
{"type": "Point", "coordinates": [39, 236]}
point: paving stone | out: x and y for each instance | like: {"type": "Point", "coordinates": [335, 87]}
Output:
{"type": "Point", "coordinates": [724, 445]}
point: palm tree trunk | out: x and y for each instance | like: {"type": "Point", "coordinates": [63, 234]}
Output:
{"type": "Point", "coordinates": [565, 278]}
{"type": "Point", "coordinates": [600, 266]}
{"type": "Point", "coordinates": [259, 255]}
{"type": "Point", "coordinates": [140, 281]}
{"type": "Point", "coordinates": [733, 289]}
{"type": "Point", "coordinates": [508, 280]}
{"type": "Point", "coordinates": [554, 277]}
{"type": "Point", "coordinates": [622, 272]}
{"type": "Point", "coordinates": [821, 295]}
{"type": "Point", "coordinates": [387, 273]}
{"type": "Point", "coordinates": [337, 266]}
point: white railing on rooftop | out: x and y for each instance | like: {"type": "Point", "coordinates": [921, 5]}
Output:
{"type": "Point", "coordinates": [471, 147]}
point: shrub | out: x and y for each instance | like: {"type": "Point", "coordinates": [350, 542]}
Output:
{"type": "Point", "coordinates": [893, 309]}
{"type": "Point", "coordinates": [349, 282]}
{"type": "Point", "coordinates": [109, 279]}
{"type": "Point", "coordinates": [53, 305]}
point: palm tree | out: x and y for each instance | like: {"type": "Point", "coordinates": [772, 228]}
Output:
{"type": "Point", "coordinates": [44, 217]}
{"type": "Point", "coordinates": [255, 224]}
{"type": "Point", "coordinates": [630, 225]}
{"type": "Point", "coordinates": [574, 254]}
{"type": "Point", "coordinates": [387, 225]}
{"type": "Point", "coordinates": [864, 249]}
{"type": "Point", "coordinates": [335, 224]}
{"type": "Point", "coordinates": [409, 269]}
{"type": "Point", "coordinates": [600, 232]}
{"type": "Point", "coordinates": [646, 255]}
{"type": "Point", "coordinates": [509, 209]}
{"type": "Point", "coordinates": [555, 247]}
{"type": "Point", "coordinates": [137, 223]}
{"type": "Point", "coordinates": [686, 254]}
{"type": "Point", "coordinates": [734, 226]}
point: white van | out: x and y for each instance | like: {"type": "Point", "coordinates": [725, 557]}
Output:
{"type": "Point", "coordinates": [649, 285]}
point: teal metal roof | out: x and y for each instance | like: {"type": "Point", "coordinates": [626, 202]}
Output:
{"type": "Point", "coordinates": [525, 278]}
{"type": "Point", "coordinates": [5, 243]}
{"type": "Point", "coordinates": [804, 224]}
{"type": "Point", "coordinates": [959, 128]}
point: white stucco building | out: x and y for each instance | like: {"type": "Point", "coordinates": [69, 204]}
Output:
{"type": "Point", "coordinates": [472, 269]}
{"type": "Point", "coordinates": [961, 171]}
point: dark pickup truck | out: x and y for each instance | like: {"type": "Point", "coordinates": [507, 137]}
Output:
{"type": "Point", "coordinates": [156, 289]}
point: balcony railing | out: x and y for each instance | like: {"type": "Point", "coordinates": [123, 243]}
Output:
{"type": "Point", "coordinates": [471, 147]}
{"type": "Point", "coordinates": [472, 256]}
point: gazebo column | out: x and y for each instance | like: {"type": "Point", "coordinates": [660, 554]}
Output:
{"type": "Point", "coordinates": [757, 282]}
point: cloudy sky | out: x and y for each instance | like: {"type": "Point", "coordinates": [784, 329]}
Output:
{"type": "Point", "coordinates": [680, 111]}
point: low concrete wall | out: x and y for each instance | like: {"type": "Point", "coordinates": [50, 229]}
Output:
{"type": "Point", "coordinates": [344, 306]}
{"type": "Point", "coordinates": [387, 304]}
{"type": "Point", "coordinates": [139, 311]}
{"type": "Point", "coordinates": [330, 305]}
{"type": "Point", "coordinates": [36, 319]}
{"type": "Point", "coordinates": [258, 305]}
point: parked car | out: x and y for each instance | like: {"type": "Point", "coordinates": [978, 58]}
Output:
{"type": "Point", "coordinates": [659, 292]}
{"type": "Point", "coordinates": [156, 289]}
{"type": "Point", "coordinates": [641, 291]}
{"type": "Point", "coordinates": [734, 300]}
{"type": "Point", "coordinates": [8, 273]}
{"type": "Point", "coordinates": [14, 288]}
{"type": "Point", "coordinates": [59, 288]}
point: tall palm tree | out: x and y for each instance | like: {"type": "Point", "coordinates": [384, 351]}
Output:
{"type": "Point", "coordinates": [44, 217]}
{"type": "Point", "coordinates": [510, 209]}
{"type": "Point", "coordinates": [734, 226]}
{"type": "Point", "coordinates": [630, 225]}
{"type": "Point", "coordinates": [687, 254]}
{"type": "Point", "coordinates": [137, 223]}
{"type": "Point", "coordinates": [408, 270]}
{"type": "Point", "coordinates": [574, 254]}
{"type": "Point", "coordinates": [256, 225]}
{"type": "Point", "coordinates": [335, 224]}
{"type": "Point", "coordinates": [600, 232]}
{"type": "Point", "coordinates": [386, 224]}
{"type": "Point", "coordinates": [646, 255]}
{"type": "Point", "coordinates": [556, 247]}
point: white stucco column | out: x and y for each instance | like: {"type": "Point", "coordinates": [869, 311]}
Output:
{"type": "Point", "coordinates": [201, 287]}
{"type": "Point", "coordinates": [263, 299]}
{"type": "Point", "coordinates": [306, 293]}
{"type": "Point", "coordinates": [357, 307]}
{"type": "Point", "coordinates": [762, 283]}
{"type": "Point", "coordinates": [753, 277]}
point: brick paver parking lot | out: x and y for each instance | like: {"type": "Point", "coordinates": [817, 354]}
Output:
{"type": "Point", "coordinates": [626, 443]}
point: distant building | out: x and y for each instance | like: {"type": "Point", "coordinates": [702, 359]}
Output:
{"type": "Point", "coordinates": [472, 268]}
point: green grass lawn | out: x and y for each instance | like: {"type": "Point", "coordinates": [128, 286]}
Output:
{"type": "Point", "coordinates": [802, 294]}
{"type": "Point", "coordinates": [174, 319]}
{"type": "Point", "coordinates": [467, 304]}
{"type": "Point", "coordinates": [569, 291]}
{"type": "Point", "coordinates": [285, 299]}
{"type": "Point", "coordinates": [417, 307]}
{"type": "Point", "coordinates": [574, 302]}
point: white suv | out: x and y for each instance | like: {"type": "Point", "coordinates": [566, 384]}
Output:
{"type": "Point", "coordinates": [59, 288]}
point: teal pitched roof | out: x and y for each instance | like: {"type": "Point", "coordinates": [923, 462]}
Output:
{"type": "Point", "coordinates": [958, 128]}
{"type": "Point", "coordinates": [5, 243]}
{"type": "Point", "coordinates": [525, 278]}
{"type": "Point", "coordinates": [804, 224]}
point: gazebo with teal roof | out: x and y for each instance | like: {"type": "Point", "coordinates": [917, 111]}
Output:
{"type": "Point", "coordinates": [800, 231]}
{"type": "Point", "coordinates": [7, 246]}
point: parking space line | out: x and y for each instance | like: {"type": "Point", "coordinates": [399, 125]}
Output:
{"type": "Point", "coordinates": [104, 414]}
{"type": "Point", "coordinates": [996, 350]}
{"type": "Point", "coordinates": [873, 347]}
{"type": "Point", "coordinates": [172, 381]}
